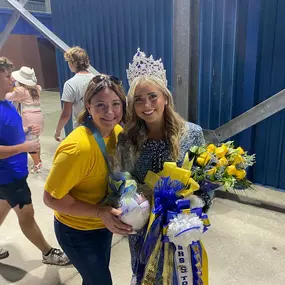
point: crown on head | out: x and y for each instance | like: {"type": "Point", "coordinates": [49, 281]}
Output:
{"type": "Point", "coordinates": [147, 66]}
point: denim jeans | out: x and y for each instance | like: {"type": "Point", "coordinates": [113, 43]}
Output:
{"type": "Point", "coordinates": [88, 251]}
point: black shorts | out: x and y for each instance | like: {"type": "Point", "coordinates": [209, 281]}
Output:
{"type": "Point", "coordinates": [16, 193]}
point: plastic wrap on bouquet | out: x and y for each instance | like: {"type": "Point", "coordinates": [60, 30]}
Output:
{"type": "Point", "coordinates": [174, 231]}
{"type": "Point", "coordinates": [123, 194]}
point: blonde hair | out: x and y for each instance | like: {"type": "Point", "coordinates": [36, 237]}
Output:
{"type": "Point", "coordinates": [135, 130]}
{"type": "Point", "coordinates": [5, 64]}
{"type": "Point", "coordinates": [93, 88]}
{"type": "Point", "coordinates": [78, 57]}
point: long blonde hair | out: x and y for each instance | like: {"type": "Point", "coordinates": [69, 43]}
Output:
{"type": "Point", "coordinates": [93, 88]}
{"type": "Point", "coordinates": [135, 130]}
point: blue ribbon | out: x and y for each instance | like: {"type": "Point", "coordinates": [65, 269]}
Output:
{"type": "Point", "coordinates": [117, 188]}
{"type": "Point", "coordinates": [165, 195]}
{"type": "Point", "coordinates": [167, 204]}
{"type": "Point", "coordinates": [196, 257]}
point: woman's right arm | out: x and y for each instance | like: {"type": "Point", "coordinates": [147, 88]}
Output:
{"type": "Point", "coordinates": [71, 206]}
{"type": "Point", "coordinates": [62, 178]}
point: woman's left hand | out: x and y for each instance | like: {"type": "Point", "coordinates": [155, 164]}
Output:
{"type": "Point", "coordinates": [109, 217]}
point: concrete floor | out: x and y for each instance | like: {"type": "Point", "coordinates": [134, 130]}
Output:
{"type": "Point", "coordinates": [246, 244]}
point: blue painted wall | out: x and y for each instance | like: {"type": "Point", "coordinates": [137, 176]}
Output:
{"type": "Point", "coordinates": [22, 27]}
{"type": "Point", "coordinates": [111, 31]}
{"type": "Point", "coordinates": [242, 61]}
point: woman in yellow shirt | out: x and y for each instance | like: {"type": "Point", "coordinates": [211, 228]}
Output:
{"type": "Point", "coordinates": [78, 180]}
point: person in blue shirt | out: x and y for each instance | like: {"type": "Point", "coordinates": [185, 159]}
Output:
{"type": "Point", "coordinates": [14, 190]}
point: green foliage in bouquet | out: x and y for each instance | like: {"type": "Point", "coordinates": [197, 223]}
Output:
{"type": "Point", "coordinates": [224, 165]}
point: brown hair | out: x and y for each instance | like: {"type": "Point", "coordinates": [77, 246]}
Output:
{"type": "Point", "coordinates": [33, 90]}
{"type": "Point", "coordinates": [136, 130]}
{"type": "Point", "coordinates": [93, 88]}
{"type": "Point", "coordinates": [78, 57]}
{"type": "Point", "coordinates": [5, 64]}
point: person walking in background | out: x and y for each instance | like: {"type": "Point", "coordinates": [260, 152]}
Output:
{"type": "Point", "coordinates": [14, 190]}
{"type": "Point", "coordinates": [74, 88]}
{"type": "Point", "coordinates": [26, 95]}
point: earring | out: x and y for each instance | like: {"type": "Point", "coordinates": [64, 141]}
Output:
{"type": "Point", "coordinates": [89, 117]}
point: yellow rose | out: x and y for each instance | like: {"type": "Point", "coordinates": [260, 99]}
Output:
{"type": "Point", "coordinates": [222, 161]}
{"type": "Point", "coordinates": [203, 159]}
{"type": "Point", "coordinates": [221, 151]}
{"type": "Point", "coordinates": [240, 174]}
{"type": "Point", "coordinates": [231, 170]}
{"type": "Point", "coordinates": [240, 150]}
{"type": "Point", "coordinates": [237, 159]}
{"type": "Point", "coordinates": [212, 171]}
{"type": "Point", "coordinates": [211, 148]}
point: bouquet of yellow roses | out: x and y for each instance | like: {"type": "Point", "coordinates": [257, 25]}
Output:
{"type": "Point", "coordinates": [222, 165]}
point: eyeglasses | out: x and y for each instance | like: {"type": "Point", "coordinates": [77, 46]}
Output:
{"type": "Point", "coordinates": [100, 78]}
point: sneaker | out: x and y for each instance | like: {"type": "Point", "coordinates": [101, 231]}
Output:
{"type": "Point", "coordinates": [56, 257]}
{"type": "Point", "coordinates": [3, 253]}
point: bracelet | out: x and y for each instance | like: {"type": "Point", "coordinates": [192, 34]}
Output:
{"type": "Point", "coordinates": [55, 133]}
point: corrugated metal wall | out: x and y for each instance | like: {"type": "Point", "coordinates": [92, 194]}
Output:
{"type": "Point", "coordinates": [242, 61]}
{"type": "Point", "coordinates": [271, 79]}
{"type": "Point", "coordinates": [111, 31]}
{"type": "Point", "coordinates": [22, 27]}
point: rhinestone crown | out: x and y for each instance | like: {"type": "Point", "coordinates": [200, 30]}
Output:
{"type": "Point", "coordinates": [143, 65]}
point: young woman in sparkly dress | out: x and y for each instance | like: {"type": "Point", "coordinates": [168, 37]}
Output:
{"type": "Point", "coordinates": [154, 132]}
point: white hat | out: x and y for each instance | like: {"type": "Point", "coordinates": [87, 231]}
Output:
{"type": "Point", "coordinates": [25, 76]}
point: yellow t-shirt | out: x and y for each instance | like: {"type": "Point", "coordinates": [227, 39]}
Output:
{"type": "Point", "coordinates": [79, 169]}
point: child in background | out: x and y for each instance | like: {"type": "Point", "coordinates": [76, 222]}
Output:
{"type": "Point", "coordinates": [26, 94]}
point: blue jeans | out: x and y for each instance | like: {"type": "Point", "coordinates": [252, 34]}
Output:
{"type": "Point", "coordinates": [88, 251]}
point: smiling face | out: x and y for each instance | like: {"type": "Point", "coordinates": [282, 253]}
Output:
{"type": "Point", "coordinates": [149, 103]}
{"type": "Point", "coordinates": [106, 110]}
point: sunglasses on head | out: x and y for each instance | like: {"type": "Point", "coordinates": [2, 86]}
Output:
{"type": "Point", "coordinates": [100, 78]}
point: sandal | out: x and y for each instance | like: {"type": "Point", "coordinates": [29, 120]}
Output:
{"type": "Point", "coordinates": [36, 168]}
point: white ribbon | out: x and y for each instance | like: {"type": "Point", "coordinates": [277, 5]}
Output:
{"type": "Point", "coordinates": [183, 265]}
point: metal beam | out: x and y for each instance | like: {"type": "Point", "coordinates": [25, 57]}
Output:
{"type": "Point", "coordinates": [210, 136]}
{"type": "Point", "coordinates": [48, 6]}
{"type": "Point", "coordinates": [181, 56]}
{"type": "Point", "coordinates": [56, 41]}
{"type": "Point", "coordinates": [246, 120]}
{"type": "Point", "coordinates": [11, 24]}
